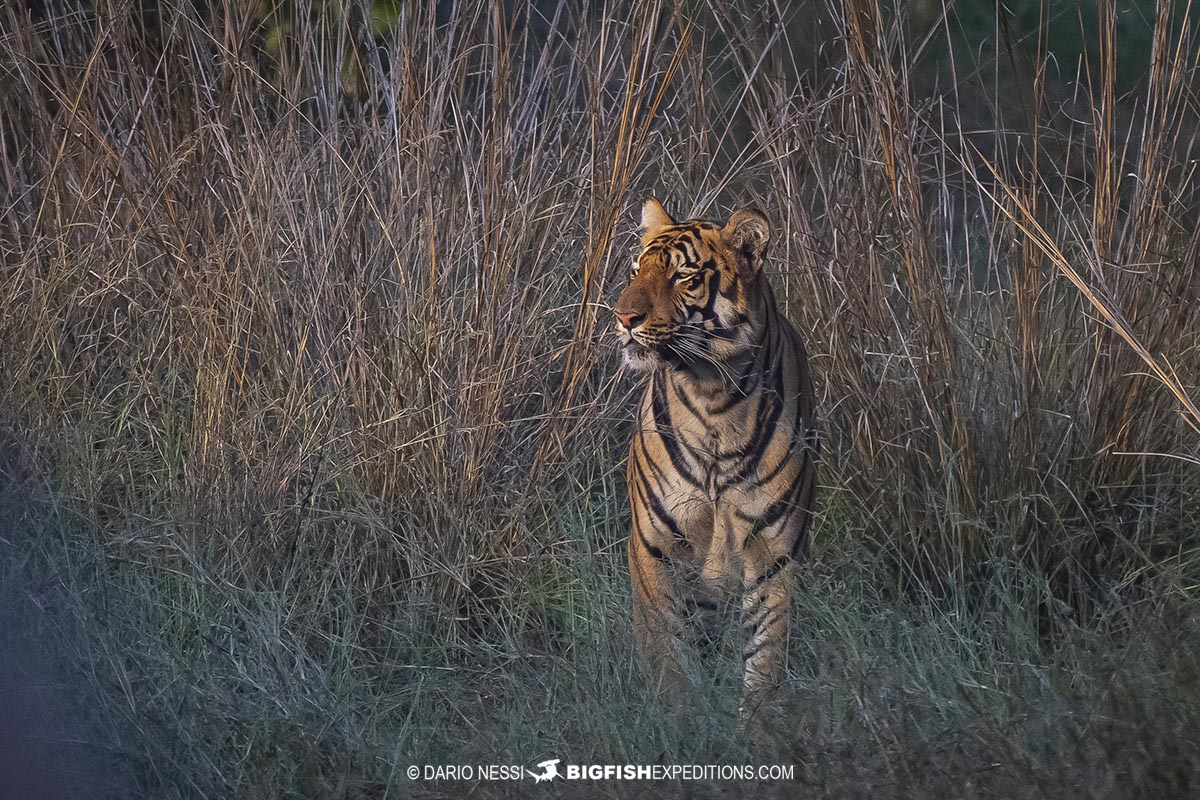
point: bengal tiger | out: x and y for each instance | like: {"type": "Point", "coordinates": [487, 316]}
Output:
{"type": "Point", "coordinates": [721, 470]}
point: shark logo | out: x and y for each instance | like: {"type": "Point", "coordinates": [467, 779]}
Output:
{"type": "Point", "coordinates": [549, 771]}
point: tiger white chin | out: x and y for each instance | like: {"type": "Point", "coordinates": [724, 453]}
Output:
{"type": "Point", "coordinates": [639, 359]}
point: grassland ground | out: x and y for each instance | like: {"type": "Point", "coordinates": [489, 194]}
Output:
{"type": "Point", "coordinates": [131, 680]}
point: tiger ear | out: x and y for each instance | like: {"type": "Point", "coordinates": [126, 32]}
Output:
{"type": "Point", "coordinates": [655, 220]}
{"type": "Point", "coordinates": [747, 234]}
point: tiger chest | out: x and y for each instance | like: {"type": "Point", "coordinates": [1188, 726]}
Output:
{"type": "Point", "coordinates": [723, 449]}
{"type": "Point", "coordinates": [732, 441]}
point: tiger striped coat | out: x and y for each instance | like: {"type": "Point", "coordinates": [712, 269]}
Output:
{"type": "Point", "coordinates": [721, 471]}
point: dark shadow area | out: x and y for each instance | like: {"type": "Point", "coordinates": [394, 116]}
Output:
{"type": "Point", "coordinates": [51, 745]}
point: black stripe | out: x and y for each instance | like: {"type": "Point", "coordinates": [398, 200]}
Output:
{"type": "Point", "coordinates": [660, 475]}
{"type": "Point", "coordinates": [654, 503]}
{"type": "Point", "coordinates": [747, 383]}
{"type": "Point", "coordinates": [761, 433]}
{"type": "Point", "coordinates": [763, 429]}
{"type": "Point", "coordinates": [772, 613]}
{"type": "Point", "coordinates": [777, 509]}
{"type": "Point", "coordinates": [687, 402]}
{"type": "Point", "coordinates": [642, 456]}
{"type": "Point", "coordinates": [666, 432]}
{"type": "Point", "coordinates": [760, 371]}
{"type": "Point", "coordinates": [762, 480]}
{"type": "Point", "coordinates": [774, 569]}
{"type": "Point", "coordinates": [767, 436]}
{"type": "Point", "coordinates": [764, 436]}
{"type": "Point", "coordinates": [756, 373]}
{"type": "Point", "coordinates": [702, 604]}
{"type": "Point", "coordinates": [799, 431]}
{"type": "Point", "coordinates": [651, 549]}
{"type": "Point", "coordinates": [730, 290]}
{"type": "Point", "coordinates": [800, 546]}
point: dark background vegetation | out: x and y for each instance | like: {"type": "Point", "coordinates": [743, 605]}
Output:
{"type": "Point", "coordinates": [313, 435]}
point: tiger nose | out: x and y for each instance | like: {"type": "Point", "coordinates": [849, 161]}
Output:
{"type": "Point", "coordinates": [631, 320]}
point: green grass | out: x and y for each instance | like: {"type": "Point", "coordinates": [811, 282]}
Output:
{"type": "Point", "coordinates": [189, 685]}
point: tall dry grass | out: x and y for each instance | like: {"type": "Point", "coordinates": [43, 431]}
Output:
{"type": "Point", "coordinates": [313, 294]}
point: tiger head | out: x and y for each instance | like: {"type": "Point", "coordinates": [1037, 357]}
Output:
{"type": "Point", "coordinates": [693, 297]}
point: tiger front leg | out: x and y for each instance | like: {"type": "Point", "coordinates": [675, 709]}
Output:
{"type": "Point", "coordinates": [766, 614]}
{"type": "Point", "coordinates": [658, 629]}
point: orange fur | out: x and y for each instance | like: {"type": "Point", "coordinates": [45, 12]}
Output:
{"type": "Point", "coordinates": [721, 469]}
